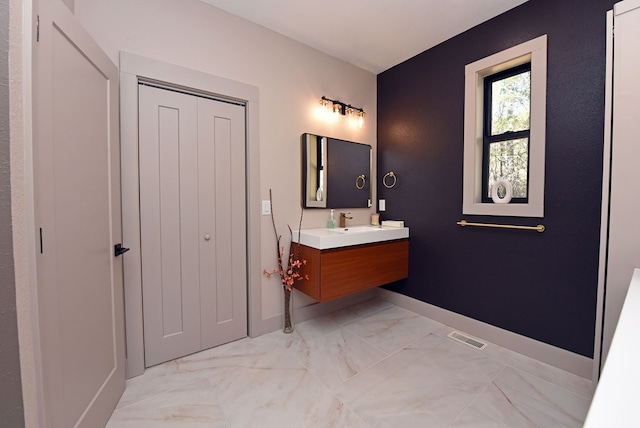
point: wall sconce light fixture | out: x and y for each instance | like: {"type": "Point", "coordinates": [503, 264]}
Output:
{"type": "Point", "coordinates": [334, 108]}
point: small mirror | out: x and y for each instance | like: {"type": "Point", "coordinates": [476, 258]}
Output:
{"type": "Point", "coordinates": [335, 173]}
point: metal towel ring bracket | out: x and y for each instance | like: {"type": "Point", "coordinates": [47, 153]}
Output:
{"type": "Point", "coordinates": [393, 182]}
{"type": "Point", "coordinates": [361, 179]}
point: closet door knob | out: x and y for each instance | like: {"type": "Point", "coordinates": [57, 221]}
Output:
{"type": "Point", "coordinates": [207, 237]}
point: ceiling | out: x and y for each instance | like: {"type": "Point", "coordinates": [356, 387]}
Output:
{"type": "Point", "coordinates": [372, 34]}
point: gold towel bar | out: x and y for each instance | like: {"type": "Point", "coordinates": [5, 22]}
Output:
{"type": "Point", "coordinates": [540, 228]}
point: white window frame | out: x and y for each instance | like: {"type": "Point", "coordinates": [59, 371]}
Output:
{"type": "Point", "coordinates": [534, 51]}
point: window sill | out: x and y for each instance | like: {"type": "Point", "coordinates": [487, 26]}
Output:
{"type": "Point", "coordinates": [510, 210]}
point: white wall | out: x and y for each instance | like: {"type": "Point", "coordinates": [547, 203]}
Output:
{"type": "Point", "coordinates": [290, 77]}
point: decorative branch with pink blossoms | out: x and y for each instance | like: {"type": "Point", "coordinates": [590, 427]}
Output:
{"type": "Point", "coordinates": [291, 273]}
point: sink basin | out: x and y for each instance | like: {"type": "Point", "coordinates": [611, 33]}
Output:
{"type": "Point", "coordinates": [324, 238]}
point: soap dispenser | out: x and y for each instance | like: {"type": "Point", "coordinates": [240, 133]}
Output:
{"type": "Point", "coordinates": [331, 223]}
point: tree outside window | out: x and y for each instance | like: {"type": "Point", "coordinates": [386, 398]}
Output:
{"type": "Point", "coordinates": [507, 107]}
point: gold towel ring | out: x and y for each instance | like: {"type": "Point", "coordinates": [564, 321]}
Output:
{"type": "Point", "coordinates": [364, 181]}
{"type": "Point", "coordinates": [393, 177]}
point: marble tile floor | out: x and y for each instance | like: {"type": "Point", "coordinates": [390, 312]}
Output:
{"type": "Point", "coordinates": [370, 365]}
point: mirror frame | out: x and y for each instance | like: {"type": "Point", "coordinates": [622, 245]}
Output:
{"type": "Point", "coordinates": [315, 172]}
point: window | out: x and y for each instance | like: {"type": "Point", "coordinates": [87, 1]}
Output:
{"type": "Point", "coordinates": [504, 135]}
{"type": "Point", "coordinates": [506, 112]}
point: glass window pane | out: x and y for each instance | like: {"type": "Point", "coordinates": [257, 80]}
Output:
{"type": "Point", "coordinates": [510, 103]}
{"type": "Point", "coordinates": [510, 159]}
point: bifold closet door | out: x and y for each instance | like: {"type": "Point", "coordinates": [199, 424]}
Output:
{"type": "Point", "coordinates": [192, 225]}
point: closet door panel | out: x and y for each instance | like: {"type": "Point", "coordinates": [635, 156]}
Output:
{"type": "Point", "coordinates": [221, 140]}
{"type": "Point", "coordinates": [168, 220]}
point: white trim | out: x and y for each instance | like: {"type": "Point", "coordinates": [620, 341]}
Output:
{"type": "Point", "coordinates": [557, 357]}
{"type": "Point", "coordinates": [133, 67]}
{"type": "Point", "coordinates": [604, 216]}
{"type": "Point", "coordinates": [316, 309]}
{"type": "Point", "coordinates": [23, 209]}
{"type": "Point", "coordinates": [535, 51]}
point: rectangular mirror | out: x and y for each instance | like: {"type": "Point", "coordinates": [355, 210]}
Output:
{"type": "Point", "coordinates": [335, 173]}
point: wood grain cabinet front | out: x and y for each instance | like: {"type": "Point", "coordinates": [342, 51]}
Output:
{"type": "Point", "coordinates": [339, 272]}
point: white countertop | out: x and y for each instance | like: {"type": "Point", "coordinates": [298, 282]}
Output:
{"type": "Point", "coordinates": [324, 238]}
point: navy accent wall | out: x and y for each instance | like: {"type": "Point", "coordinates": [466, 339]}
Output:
{"type": "Point", "coordinates": [542, 286]}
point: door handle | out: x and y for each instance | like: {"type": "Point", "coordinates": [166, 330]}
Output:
{"type": "Point", "coordinates": [119, 250]}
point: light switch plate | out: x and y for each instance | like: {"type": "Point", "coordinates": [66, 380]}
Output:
{"type": "Point", "coordinates": [382, 205]}
{"type": "Point", "coordinates": [266, 207]}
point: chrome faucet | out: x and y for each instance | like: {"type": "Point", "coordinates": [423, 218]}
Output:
{"type": "Point", "coordinates": [343, 219]}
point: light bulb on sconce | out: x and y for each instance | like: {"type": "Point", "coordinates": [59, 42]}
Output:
{"type": "Point", "coordinates": [323, 109]}
{"type": "Point", "coordinates": [351, 116]}
{"type": "Point", "coordinates": [355, 115]}
{"type": "Point", "coordinates": [324, 104]}
{"type": "Point", "coordinates": [337, 110]}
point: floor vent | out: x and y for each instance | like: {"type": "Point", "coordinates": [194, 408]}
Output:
{"type": "Point", "coordinates": [467, 340]}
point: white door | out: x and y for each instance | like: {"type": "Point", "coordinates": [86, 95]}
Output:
{"type": "Point", "coordinates": [624, 207]}
{"type": "Point", "coordinates": [78, 222]}
{"type": "Point", "coordinates": [192, 222]}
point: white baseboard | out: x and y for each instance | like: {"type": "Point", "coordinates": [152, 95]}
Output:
{"type": "Point", "coordinates": [557, 357]}
{"type": "Point", "coordinates": [315, 310]}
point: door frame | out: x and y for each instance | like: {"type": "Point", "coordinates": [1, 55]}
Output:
{"type": "Point", "coordinates": [604, 214]}
{"type": "Point", "coordinates": [132, 69]}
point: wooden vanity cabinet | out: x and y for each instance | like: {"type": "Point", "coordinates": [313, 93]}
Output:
{"type": "Point", "coordinates": [338, 272]}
